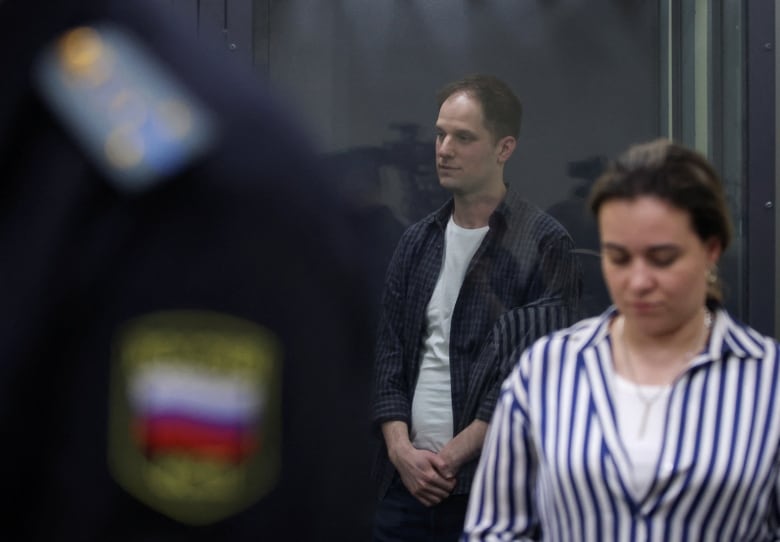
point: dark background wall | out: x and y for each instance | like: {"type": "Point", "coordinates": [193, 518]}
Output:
{"type": "Point", "coordinates": [363, 77]}
{"type": "Point", "coordinates": [586, 71]}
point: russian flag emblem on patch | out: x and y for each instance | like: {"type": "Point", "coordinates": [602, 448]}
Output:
{"type": "Point", "coordinates": [195, 413]}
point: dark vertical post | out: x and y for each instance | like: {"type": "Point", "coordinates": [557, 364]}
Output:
{"type": "Point", "coordinates": [261, 32]}
{"type": "Point", "coordinates": [238, 17]}
{"type": "Point", "coordinates": [760, 202]}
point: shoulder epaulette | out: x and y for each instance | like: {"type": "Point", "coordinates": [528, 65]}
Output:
{"type": "Point", "coordinates": [127, 111]}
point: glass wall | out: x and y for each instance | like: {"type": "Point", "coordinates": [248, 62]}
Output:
{"type": "Point", "coordinates": [703, 78]}
{"type": "Point", "coordinates": [593, 75]}
{"type": "Point", "coordinates": [365, 74]}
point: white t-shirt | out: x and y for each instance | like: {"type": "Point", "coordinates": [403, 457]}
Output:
{"type": "Point", "coordinates": [644, 450]}
{"type": "Point", "coordinates": [432, 402]}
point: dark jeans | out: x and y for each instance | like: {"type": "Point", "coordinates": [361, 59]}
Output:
{"type": "Point", "coordinates": [402, 518]}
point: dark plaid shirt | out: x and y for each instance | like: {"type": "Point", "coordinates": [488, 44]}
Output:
{"type": "Point", "coordinates": [524, 261]}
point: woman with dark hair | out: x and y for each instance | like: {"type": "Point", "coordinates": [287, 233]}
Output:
{"type": "Point", "coordinates": [655, 420]}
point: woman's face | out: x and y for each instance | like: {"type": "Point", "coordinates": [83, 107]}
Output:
{"type": "Point", "coordinates": [654, 264]}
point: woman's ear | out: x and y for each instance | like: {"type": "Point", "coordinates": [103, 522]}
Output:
{"type": "Point", "coordinates": [713, 249]}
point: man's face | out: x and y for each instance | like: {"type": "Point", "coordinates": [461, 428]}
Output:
{"type": "Point", "coordinates": [468, 159]}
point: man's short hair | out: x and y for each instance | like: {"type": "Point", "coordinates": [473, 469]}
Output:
{"type": "Point", "coordinates": [501, 108]}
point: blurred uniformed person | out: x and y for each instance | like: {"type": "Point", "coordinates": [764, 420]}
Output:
{"type": "Point", "coordinates": [184, 336]}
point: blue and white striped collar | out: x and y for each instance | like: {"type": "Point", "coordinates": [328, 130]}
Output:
{"type": "Point", "coordinates": [729, 337]}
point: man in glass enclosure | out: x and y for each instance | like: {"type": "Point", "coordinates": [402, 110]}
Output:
{"type": "Point", "coordinates": [486, 256]}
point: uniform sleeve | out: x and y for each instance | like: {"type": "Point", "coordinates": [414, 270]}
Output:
{"type": "Point", "coordinates": [501, 505]}
{"type": "Point", "coordinates": [391, 401]}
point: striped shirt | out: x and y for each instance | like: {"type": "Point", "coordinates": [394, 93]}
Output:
{"type": "Point", "coordinates": [555, 467]}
